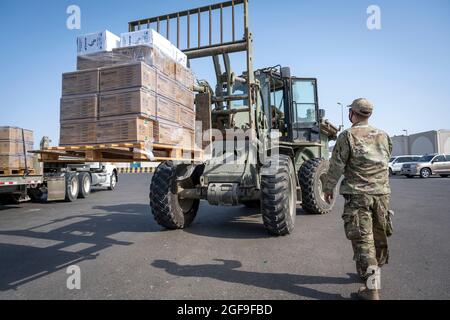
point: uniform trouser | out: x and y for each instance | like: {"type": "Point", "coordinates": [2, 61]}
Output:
{"type": "Point", "coordinates": [366, 225]}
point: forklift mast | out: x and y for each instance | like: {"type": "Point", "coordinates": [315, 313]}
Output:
{"type": "Point", "coordinates": [216, 45]}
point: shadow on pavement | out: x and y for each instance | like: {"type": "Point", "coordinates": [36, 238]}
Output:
{"type": "Point", "coordinates": [226, 271]}
{"type": "Point", "coordinates": [228, 222]}
{"type": "Point", "coordinates": [35, 252]}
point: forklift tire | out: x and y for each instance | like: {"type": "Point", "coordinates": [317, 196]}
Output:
{"type": "Point", "coordinates": [279, 198]}
{"type": "Point", "coordinates": [168, 210]}
{"type": "Point", "coordinates": [72, 187]}
{"type": "Point", "coordinates": [85, 183]}
{"type": "Point", "coordinates": [311, 176]}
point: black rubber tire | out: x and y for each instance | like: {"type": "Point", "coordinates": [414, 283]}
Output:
{"type": "Point", "coordinates": [425, 173]}
{"type": "Point", "coordinates": [166, 207]}
{"type": "Point", "coordinates": [37, 195]}
{"type": "Point", "coordinates": [255, 204]}
{"type": "Point", "coordinates": [391, 173]}
{"type": "Point", "coordinates": [409, 176]}
{"type": "Point", "coordinates": [72, 181]}
{"type": "Point", "coordinates": [309, 176]}
{"type": "Point", "coordinates": [82, 178]}
{"type": "Point", "coordinates": [444, 175]}
{"type": "Point", "coordinates": [279, 198]}
{"type": "Point", "coordinates": [113, 185]}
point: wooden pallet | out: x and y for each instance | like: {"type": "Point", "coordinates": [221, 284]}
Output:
{"type": "Point", "coordinates": [15, 172]}
{"type": "Point", "coordinates": [119, 152]}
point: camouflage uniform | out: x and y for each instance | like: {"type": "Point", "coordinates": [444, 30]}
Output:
{"type": "Point", "coordinates": [362, 154]}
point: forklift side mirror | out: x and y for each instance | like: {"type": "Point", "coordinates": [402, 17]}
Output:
{"type": "Point", "coordinates": [321, 113]}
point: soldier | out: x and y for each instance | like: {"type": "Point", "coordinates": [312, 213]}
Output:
{"type": "Point", "coordinates": [362, 154]}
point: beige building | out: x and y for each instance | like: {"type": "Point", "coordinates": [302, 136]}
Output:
{"type": "Point", "coordinates": [436, 141]}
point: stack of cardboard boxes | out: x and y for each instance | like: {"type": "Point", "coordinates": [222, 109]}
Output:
{"type": "Point", "coordinates": [12, 149]}
{"type": "Point", "coordinates": [139, 92]}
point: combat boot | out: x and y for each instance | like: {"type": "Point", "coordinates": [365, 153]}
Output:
{"type": "Point", "coordinates": [365, 293]}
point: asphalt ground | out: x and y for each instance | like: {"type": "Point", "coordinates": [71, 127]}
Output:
{"type": "Point", "coordinates": [226, 254]}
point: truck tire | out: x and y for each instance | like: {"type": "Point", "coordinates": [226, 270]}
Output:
{"type": "Point", "coordinates": [113, 181]}
{"type": "Point", "coordinates": [168, 210]}
{"type": "Point", "coordinates": [311, 176]}
{"type": "Point", "coordinates": [72, 187]}
{"type": "Point", "coordinates": [279, 198]}
{"type": "Point", "coordinates": [85, 182]}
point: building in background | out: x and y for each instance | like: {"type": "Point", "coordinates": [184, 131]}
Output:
{"type": "Point", "coordinates": [436, 141]}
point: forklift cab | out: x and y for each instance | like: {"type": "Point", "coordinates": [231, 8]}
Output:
{"type": "Point", "coordinates": [291, 106]}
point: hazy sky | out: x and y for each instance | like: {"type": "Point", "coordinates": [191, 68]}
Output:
{"type": "Point", "coordinates": [404, 68]}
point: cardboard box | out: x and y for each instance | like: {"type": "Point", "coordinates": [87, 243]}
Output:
{"type": "Point", "coordinates": [16, 162]}
{"type": "Point", "coordinates": [96, 42]}
{"type": "Point", "coordinates": [180, 57]}
{"type": "Point", "coordinates": [184, 97]}
{"type": "Point", "coordinates": [150, 55]}
{"type": "Point", "coordinates": [127, 76]}
{"type": "Point", "coordinates": [78, 107]}
{"type": "Point", "coordinates": [170, 133]}
{"type": "Point", "coordinates": [8, 147]}
{"type": "Point", "coordinates": [166, 86]}
{"type": "Point", "coordinates": [80, 82]}
{"type": "Point", "coordinates": [148, 37]}
{"type": "Point", "coordinates": [124, 129]}
{"type": "Point", "coordinates": [167, 109]}
{"type": "Point", "coordinates": [78, 132]}
{"type": "Point", "coordinates": [187, 118]}
{"type": "Point", "coordinates": [184, 76]}
{"type": "Point", "coordinates": [128, 101]}
{"type": "Point", "coordinates": [15, 134]}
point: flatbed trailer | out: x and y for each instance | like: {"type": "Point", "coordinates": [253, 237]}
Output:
{"type": "Point", "coordinates": [119, 153]}
{"type": "Point", "coordinates": [14, 187]}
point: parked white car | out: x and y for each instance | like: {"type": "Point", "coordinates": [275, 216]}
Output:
{"type": "Point", "coordinates": [396, 163]}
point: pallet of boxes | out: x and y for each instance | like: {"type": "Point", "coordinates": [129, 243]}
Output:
{"type": "Point", "coordinates": [14, 146]}
{"type": "Point", "coordinates": [133, 90]}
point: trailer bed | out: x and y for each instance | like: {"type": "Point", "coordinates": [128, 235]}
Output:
{"type": "Point", "coordinates": [118, 152]}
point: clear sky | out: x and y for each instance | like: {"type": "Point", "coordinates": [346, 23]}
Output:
{"type": "Point", "coordinates": [404, 68]}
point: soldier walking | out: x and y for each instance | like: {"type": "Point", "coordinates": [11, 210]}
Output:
{"type": "Point", "coordinates": [362, 154]}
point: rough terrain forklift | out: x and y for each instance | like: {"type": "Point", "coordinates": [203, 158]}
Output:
{"type": "Point", "coordinates": [277, 163]}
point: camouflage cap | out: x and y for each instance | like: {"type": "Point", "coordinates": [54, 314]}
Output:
{"type": "Point", "coordinates": [362, 107]}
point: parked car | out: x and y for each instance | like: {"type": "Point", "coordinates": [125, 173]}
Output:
{"type": "Point", "coordinates": [396, 163]}
{"type": "Point", "coordinates": [427, 166]}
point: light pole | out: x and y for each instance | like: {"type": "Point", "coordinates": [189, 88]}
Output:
{"type": "Point", "coordinates": [342, 115]}
{"type": "Point", "coordinates": [406, 132]}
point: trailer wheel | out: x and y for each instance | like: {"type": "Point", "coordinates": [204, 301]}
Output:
{"type": "Point", "coordinates": [311, 177]}
{"type": "Point", "coordinates": [169, 210]}
{"type": "Point", "coordinates": [72, 187]}
{"type": "Point", "coordinates": [279, 198]}
{"type": "Point", "coordinates": [85, 182]}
